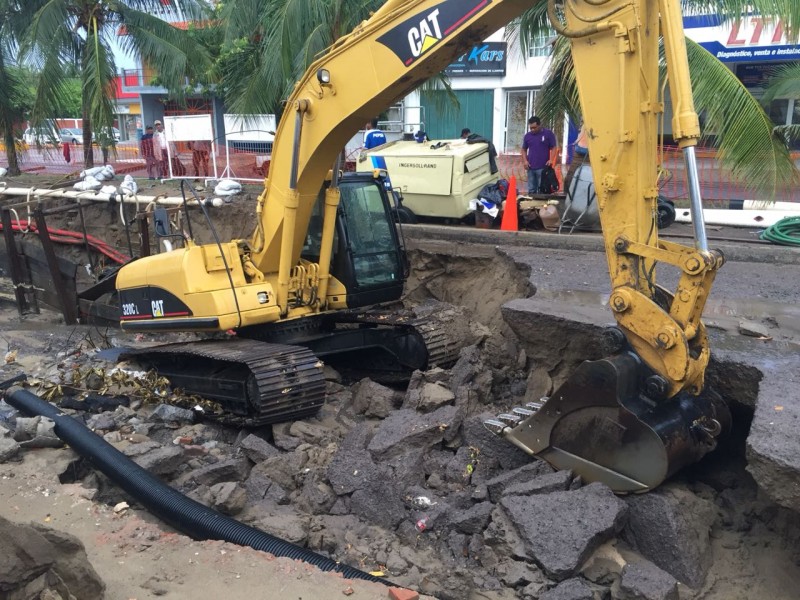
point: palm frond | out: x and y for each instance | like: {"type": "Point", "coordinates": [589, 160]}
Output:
{"type": "Point", "coordinates": [790, 133]}
{"type": "Point", "coordinates": [162, 46]}
{"type": "Point", "coordinates": [784, 83]}
{"type": "Point", "coordinates": [97, 74]}
{"type": "Point", "coordinates": [745, 136]}
{"type": "Point", "coordinates": [559, 93]}
{"type": "Point", "coordinates": [531, 25]}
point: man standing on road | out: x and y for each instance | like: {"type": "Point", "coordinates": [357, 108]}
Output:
{"type": "Point", "coordinates": [535, 152]}
{"type": "Point", "coordinates": [148, 153]}
{"type": "Point", "coordinates": [160, 147]}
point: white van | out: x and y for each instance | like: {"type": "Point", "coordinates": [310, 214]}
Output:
{"type": "Point", "coordinates": [45, 135]}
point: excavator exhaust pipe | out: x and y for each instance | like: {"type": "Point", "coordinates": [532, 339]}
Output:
{"type": "Point", "coordinates": [603, 426]}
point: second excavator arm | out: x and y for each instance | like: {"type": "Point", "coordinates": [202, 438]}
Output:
{"type": "Point", "coordinates": [634, 418]}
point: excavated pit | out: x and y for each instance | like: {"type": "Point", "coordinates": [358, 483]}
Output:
{"type": "Point", "coordinates": [355, 482]}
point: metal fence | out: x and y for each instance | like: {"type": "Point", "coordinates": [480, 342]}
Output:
{"type": "Point", "coordinates": [251, 161]}
{"type": "Point", "coordinates": [716, 182]}
{"type": "Point", "coordinates": [244, 161]}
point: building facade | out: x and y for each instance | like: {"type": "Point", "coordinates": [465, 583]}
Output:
{"type": "Point", "coordinates": [496, 100]}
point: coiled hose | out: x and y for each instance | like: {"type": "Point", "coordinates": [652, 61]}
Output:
{"type": "Point", "coordinates": [785, 232]}
{"type": "Point", "coordinates": [182, 513]}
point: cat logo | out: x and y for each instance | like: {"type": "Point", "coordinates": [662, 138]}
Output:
{"type": "Point", "coordinates": [414, 37]}
{"type": "Point", "coordinates": [158, 308]}
{"type": "Point", "coordinates": [423, 38]}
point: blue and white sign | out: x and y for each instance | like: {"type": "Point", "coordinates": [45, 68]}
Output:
{"type": "Point", "coordinates": [751, 39]}
{"type": "Point", "coordinates": [486, 59]}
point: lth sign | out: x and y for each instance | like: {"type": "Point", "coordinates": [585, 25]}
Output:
{"type": "Point", "coordinates": [756, 31]}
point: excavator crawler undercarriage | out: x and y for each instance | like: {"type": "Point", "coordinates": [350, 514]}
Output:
{"type": "Point", "coordinates": [278, 376]}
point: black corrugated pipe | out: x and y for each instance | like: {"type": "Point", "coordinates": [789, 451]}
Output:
{"type": "Point", "coordinates": [182, 513]}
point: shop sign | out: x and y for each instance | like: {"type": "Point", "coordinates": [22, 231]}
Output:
{"type": "Point", "coordinates": [486, 59]}
{"type": "Point", "coordinates": [751, 39]}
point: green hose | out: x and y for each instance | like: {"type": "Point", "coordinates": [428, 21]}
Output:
{"type": "Point", "coordinates": [785, 232]}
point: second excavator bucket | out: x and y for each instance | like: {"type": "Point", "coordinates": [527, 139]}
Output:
{"type": "Point", "coordinates": [602, 426]}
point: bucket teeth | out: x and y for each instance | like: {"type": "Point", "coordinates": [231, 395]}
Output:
{"type": "Point", "coordinates": [495, 426]}
{"type": "Point", "coordinates": [534, 406]}
{"type": "Point", "coordinates": [509, 419]}
{"type": "Point", "coordinates": [523, 412]}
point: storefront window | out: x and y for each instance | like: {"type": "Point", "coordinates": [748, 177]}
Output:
{"type": "Point", "coordinates": [778, 111]}
{"type": "Point", "coordinates": [519, 106]}
{"type": "Point", "coordinates": [541, 45]}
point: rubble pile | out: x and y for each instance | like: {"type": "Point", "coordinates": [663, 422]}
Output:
{"type": "Point", "coordinates": [409, 483]}
{"type": "Point", "coordinates": [39, 562]}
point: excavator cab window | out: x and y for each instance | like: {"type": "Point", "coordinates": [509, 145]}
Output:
{"type": "Point", "coordinates": [313, 242]}
{"type": "Point", "coordinates": [369, 234]}
{"type": "Point", "coordinates": [367, 257]}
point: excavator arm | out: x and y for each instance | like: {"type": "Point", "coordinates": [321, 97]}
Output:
{"type": "Point", "coordinates": [635, 417]}
{"type": "Point", "coordinates": [621, 108]}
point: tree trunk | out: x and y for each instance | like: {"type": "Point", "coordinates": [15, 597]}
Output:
{"type": "Point", "coordinates": [8, 126]}
{"type": "Point", "coordinates": [88, 151]}
{"type": "Point", "coordinates": [11, 149]}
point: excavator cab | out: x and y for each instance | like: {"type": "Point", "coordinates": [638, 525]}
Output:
{"type": "Point", "coordinates": [368, 258]}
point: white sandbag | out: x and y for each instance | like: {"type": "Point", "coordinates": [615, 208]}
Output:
{"type": "Point", "coordinates": [227, 187]}
{"type": "Point", "coordinates": [128, 186]}
{"type": "Point", "coordinates": [108, 189]}
{"type": "Point", "coordinates": [105, 174]}
{"type": "Point", "coordinates": [89, 183]}
{"type": "Point", "coordinates": [3, 171]}
{"type": "Point", "coordinates": [91, 172]}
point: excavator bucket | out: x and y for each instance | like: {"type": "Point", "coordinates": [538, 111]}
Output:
{"type": "Point", "coordinates": [602, 426]}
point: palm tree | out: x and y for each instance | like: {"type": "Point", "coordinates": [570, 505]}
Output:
{"type": "Point", "coordinates": [64, 33]}
{"type": "Point", "coordinates": [13, 99]}
{"type": "Point", "coordinates": [785, 83]}
{"type": "Point", "coordinates": [269, 44]}
{"type": "Point", "coordinates": [745, 136]}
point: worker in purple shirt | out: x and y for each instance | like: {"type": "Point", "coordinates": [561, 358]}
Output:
{"type": "Point", "coordinates": [535, 152]}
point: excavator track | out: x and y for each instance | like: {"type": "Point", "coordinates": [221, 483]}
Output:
{"type": "Point", "coordinates": [250, 383]}
{"type": "Point", "coordinates": [276, 375]}
{"type": "Point", "coordinates": [442, 342]}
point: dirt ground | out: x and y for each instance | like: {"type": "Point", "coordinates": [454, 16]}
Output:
{"type": "Point", "coordinates": [139, 558]}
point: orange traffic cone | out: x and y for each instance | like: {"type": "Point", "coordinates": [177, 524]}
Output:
{"type": "Point", "coordinates": [510, 221]}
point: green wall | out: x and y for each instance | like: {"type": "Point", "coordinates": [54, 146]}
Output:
{"type": "Point", "coordinates": [475, 112]}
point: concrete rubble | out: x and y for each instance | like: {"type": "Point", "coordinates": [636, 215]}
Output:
{"type": "Point", "coordinates": [410, 482]}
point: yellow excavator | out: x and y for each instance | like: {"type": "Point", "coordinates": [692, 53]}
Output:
{"type": "Point", "coordinates": [326, 251]}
